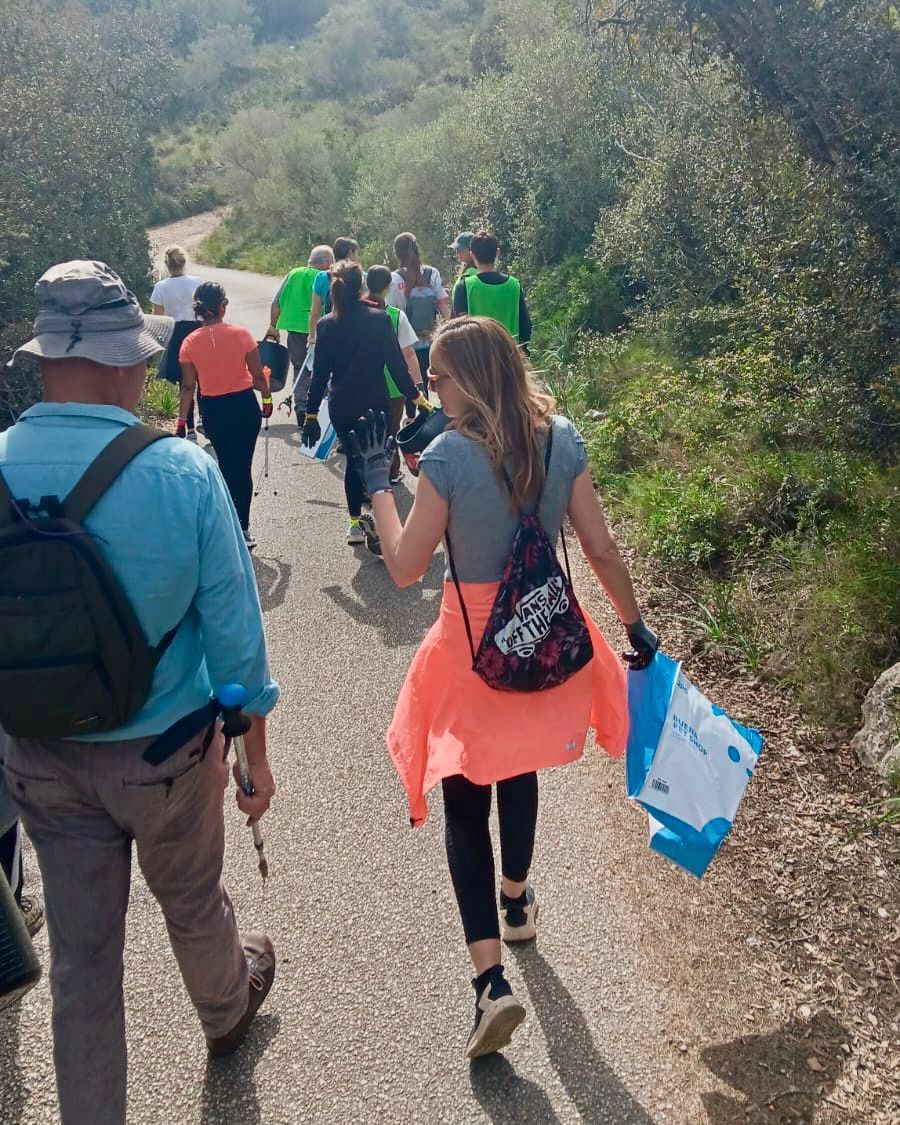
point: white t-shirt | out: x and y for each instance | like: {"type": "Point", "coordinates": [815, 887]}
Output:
{"type": "Point", "coordinates": [397, 293]}
{"type": "Point", "coordinates": [405, 333]}
{"type": "Point", "coordinates": [176, 295]}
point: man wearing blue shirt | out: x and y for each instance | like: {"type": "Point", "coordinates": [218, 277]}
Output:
{"type": "Point", "coordinates": [170, 533]}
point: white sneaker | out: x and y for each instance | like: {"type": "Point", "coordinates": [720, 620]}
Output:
{"type": "Point", "coordinates": [517, 920]}
{"type": "Point", "coordinates": [355, 534]}
{"type": "Point", "coordinates": [249, 540]}
{"type": "Point", "coordinates": [497, 1014]}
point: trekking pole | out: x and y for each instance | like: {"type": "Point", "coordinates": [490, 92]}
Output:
{"type": "Point", "coordinates": [235, 725]}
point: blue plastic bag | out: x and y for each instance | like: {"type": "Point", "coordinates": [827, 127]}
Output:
{"type": "Point", "coordinates": [687, 763]}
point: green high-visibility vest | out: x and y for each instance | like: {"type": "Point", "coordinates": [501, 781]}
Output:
{"type": "Point", "coordinates": [296, 297]}
{"type": "Point", "coordinates": [499, 302]}
{"type": "Point", "coordinates": [393, 390]}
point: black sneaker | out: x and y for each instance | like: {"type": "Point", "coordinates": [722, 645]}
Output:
{"type": "Point", "coordinates": [518, 916]}
{"type": "Point", "coordinates": [373, 542]}
{"type": "Point", "coordinates": [497, 1014]}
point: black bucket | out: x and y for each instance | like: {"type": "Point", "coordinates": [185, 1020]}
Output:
{"type": "Point", "coordinates": [19, 966]}
{"type": "Point", "coordinates": [275, 357]}
{"type": "Point", "coordinates": [415, 438]}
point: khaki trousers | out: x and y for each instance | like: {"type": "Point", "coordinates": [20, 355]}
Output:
{"type": "Point", "coordinates": [83, 805]}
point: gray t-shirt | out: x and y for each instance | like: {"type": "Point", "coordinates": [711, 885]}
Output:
{"type": "Point", "coordinates": [482, 522]}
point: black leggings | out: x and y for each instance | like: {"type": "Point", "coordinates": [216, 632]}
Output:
{"type": "Point", "coordinates": [423, 355]}
{"type": "Point", "coordinates": [467, 808]}
{"type": "Point", "coordinates": [354, 489]}
{"type": "Point", "coordinates": [170, 368]}
{"type": "Point", "coordinates": [232, 424]}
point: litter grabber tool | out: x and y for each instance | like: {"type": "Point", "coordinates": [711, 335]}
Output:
{"type": "Point", "coordinates": [265, 439]}
{"type": "Point", "coordinates": [235, 725]}
{"type": "Point", "coordinates": [288, 403]}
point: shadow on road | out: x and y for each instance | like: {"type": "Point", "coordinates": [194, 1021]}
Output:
{"type": "Point", "coordinates": [229, 1091]}
{"type": "Point", "coordinates": [13, 1091]}
{"type": "Point", "coordinates": [774, 1072]}
{"type": "Point", "coordinates": [402, 617]}
{"type": "Point", "coordinates": [506, 1097]}
{"type": "Point", "coordinates": [273, 576]}
{"type": "Point", "coordinates": [590, 1082]}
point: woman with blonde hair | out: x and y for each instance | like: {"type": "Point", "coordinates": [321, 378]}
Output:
{"type": "Point", "coordinates": [504, 457]}
{"type": "Point", "coordinates": [174, 297]}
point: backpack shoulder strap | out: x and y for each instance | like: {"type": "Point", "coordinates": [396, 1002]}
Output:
{"type": "Point", "coordinates": [104, 469]}
{"type": "Point", "coordinates": [547, 452]}
{"type": "Point", "coordinates": [459, 593]}
{"type": "Point", "coordinates": [6, 503]}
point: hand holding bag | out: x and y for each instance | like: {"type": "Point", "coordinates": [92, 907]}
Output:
{"type": "Point", "coordinates": [687, 763]}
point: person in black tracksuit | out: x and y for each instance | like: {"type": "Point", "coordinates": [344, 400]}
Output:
{"type": "Point", "coordinates": [354, 345]}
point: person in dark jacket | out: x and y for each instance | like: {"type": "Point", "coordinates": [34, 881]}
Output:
{"type": "Point", "coordinates": [354, 345]}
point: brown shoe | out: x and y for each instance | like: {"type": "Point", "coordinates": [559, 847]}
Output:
{"type": "Point", "coordinates": [260, 954]}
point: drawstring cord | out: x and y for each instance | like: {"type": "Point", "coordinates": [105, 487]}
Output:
{"type": "Point", "coordinates": [76, 335]}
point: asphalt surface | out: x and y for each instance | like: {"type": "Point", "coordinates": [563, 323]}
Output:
{"type": "Point", "coordinates": [634, 988]}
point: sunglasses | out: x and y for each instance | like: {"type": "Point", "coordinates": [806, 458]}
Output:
{"type": "Point", "coordinates": [433, 376]}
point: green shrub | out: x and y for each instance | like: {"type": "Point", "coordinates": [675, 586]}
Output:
{"type": "Point", "coordinates": [160, 398]}
{"type": "Point", "coordinates": [234, 244]}
{"type": "Point", "coordinates": [770, 508]}
{"type": "Point", "coordinates": [574, 297]}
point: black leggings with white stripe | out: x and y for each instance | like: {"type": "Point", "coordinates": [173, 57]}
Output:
{"type": "Point", "coordinates": [467, 808]}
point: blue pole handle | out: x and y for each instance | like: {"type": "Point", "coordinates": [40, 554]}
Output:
{"type": "Point", "coordinates": [232, 696]}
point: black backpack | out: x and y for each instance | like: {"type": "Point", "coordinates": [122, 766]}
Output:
{"type": "Point", "coordinates": [536, 636]}
{"type": "Point", "coordinates": [73, 656]}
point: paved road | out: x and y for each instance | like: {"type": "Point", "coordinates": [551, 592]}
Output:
{"type": "Point", "coordinates": [634, 987]}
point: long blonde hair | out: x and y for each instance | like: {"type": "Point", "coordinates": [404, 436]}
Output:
{"type": "Point", "coordinates": [505, 409]}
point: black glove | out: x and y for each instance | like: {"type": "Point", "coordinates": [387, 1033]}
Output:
{"type": "Point", "coordinates": [644, 643]}
{"type": "Point", "coordinates": [311, 432]}
{"type": "Point", "coordinates": [372, 449]}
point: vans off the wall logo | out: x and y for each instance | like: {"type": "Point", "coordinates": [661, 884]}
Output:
{"type": "Point", "coordinates": [536, 636]}
{"type": "Point", "coordinates": [531, 622]}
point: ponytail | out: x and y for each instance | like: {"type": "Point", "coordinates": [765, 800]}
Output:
{"type": "Point", "coordinates": [406, 250]}
{"type": "Point", "coordinates": [346, 287]}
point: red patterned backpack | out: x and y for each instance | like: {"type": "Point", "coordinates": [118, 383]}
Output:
{"type": "Point", "coordinates": [536, 636]}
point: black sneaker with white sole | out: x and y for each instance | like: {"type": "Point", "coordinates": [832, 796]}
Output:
{"type": "Point", "coordinates": [373, 542]}
{"type": "Point", "coordinates": [497, 1014]}
{"type": "Point", "coordinates": [518, 916]}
